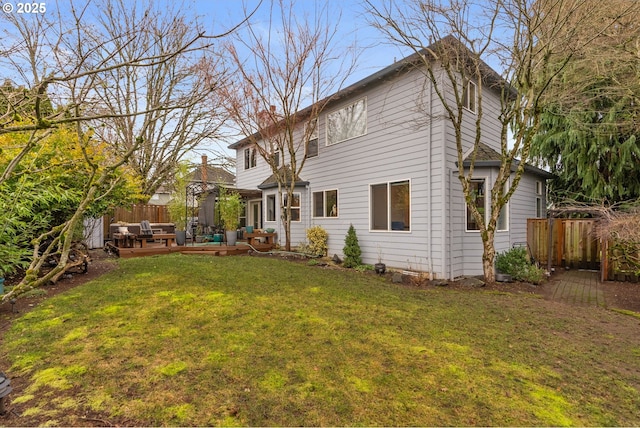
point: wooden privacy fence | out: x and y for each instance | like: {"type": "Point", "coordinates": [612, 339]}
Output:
{"type": "Point", "coordinates": [573, 243]}
{"type": "Point", "coordinates": [136, 213]}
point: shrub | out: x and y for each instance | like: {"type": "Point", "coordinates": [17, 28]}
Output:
{"type": "Point", "coordinates": [318, 238]}
{"type": "Point", "coordinates": [351, 249]}
{"type": "Point", "coordinates": [515, 262]}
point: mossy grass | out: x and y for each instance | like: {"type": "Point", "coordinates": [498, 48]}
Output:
{"type": "Point", "coordinates": [197, 340]}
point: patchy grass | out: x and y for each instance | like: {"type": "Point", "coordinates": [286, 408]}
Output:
{"type": "Point", "coordinates": [196, 340]}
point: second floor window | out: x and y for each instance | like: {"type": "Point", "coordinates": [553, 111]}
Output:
{"type": "Point", "coordinates": [348, 122]}
{"type": "Point", "coordinates": [250, 160]}
{"type": "Point", "coordinates": [275, 158]}
{"type": "Point", "coordinates": [312, 143]}
{"type": "Point", "coordinates": [469, 96]}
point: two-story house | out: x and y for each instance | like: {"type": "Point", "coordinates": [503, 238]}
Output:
{"type": "Point", "coordinates": [385, 160]}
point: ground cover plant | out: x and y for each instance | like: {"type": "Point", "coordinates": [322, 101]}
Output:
{"type": "Point", "coordinates": [197, 340]}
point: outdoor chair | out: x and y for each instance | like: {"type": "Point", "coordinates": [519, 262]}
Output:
{"type": "Point", "coordinates": [145, 230]}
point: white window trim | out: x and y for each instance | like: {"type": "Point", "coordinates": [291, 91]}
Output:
{"type": "Point", "coordinates": [389, 230]}
{"type": "Point", "coordinates": [506, 210]}
{"type": "Point", "coordinates": [466, 210]}
{"type": "Point", "coordinates": [366, 125]}
{"type": "Point", "coordinates": [299, 208]}
{"type": "Point", "coordinates": [508, 215]}
{"type": "Point", "coordinates": [266, 208]}
{"type": "Point", "coordinates": [324, 203]}
{"type": "Point", "coordinates": [539, 189]}
{"type": "Point", "coordinates": [252, 152]}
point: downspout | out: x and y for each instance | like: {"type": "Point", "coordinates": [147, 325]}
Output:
{"type": "Point", "coordinates": [446, 261]}
{"type": "Point", "coordinates": [429, 183]}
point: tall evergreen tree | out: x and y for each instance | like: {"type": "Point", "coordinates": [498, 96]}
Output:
{"type": "Point", "coordinates": [590, 123]}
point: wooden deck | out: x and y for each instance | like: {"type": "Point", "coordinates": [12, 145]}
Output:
{"type": "Point", "coordinates": [204, 249]}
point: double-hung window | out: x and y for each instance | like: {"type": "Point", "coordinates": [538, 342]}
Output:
{"type": "Point", "coordinates": [348, 122]}
{"type": "Point", "coordinates": [250, 158]}
{"type": "Point", "coordinates": [295, 206]}
{"type": "Point", "coordinates": [477, 189]}
{"type": "Point", "coordinates": [391, 206]}
{"type": "Point", "coordinates": [325, 204]}
{"type": "Point", "coordinates": [478, 196]}
{"type": "Point", "coordinates": [312, 143]}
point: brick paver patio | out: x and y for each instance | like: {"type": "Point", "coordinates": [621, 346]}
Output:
{"type": "Point", "coordinates": [579, 287]}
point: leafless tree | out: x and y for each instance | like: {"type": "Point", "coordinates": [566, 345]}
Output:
{"type": "Point", "coordinates": [68, 60]}
{"type": "Point", "coordinates": [519, 36]}
{"type": "Point", "coordinates": [284, 74]}
{"type": "Point", "coordinates": [181, 109]}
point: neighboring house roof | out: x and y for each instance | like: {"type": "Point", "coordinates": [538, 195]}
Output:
{"type": "Point", "coordinates": [491, 79]}
{"type": "Point", "coordinates": [488, 157]}
{"type": "Point", "coordinates": [272, 182]}
{"type": "Point", "coordinates": [215, 175]}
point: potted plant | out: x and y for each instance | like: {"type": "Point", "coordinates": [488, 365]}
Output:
{"type": "Point", "coordinates": [177, 206]}
{"type": "Point", "coordinates": [380, 267]}
{"type": "Point", "coordinates": [230, 207]}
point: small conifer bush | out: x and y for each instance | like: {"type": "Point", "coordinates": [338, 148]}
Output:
{"type": "Point", "coordinates": [351, 249]}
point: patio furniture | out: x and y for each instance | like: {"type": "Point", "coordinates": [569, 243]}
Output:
{"type": "Point", "coordinates": [253, 238]}
{"type": "Point", "coordinates": [124, 239]}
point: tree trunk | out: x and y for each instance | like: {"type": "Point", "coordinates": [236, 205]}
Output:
{"type": "Point", "coordinates": [488, 258]}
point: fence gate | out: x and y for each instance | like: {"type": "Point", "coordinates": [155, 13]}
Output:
{"type": "Point", "coordinates": [570, 242]}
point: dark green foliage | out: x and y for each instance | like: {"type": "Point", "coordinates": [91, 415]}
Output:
{"type": "Point", "coordinates": [351, 250]}
{"type": "Point", "coordinates": [594, 157]}
{"type": "Point", "coordinates": [516, 262]}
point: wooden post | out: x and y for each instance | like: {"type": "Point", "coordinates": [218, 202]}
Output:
{"type": "Point", "coordinates": [550, 244]}
{"type": "Point", "coordinates": [604, 263]}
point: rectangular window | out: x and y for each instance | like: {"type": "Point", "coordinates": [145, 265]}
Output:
{"type": "Point", "coordinates": [249, 158]}
{"type": "Point", "coordinates": [275, 158]}
{"type": "Point", "coordinates": [312, 143]}
{"type": "Point", "coordinates": [347, 123]}
{"type": "Point", "coordinates": [325, 204]}
{"type": "Point", "coordinates": [295, 206]}
{"type": "Point", "coordinates": [271, 207]}
{"type": "Point", "coordinates": [477, 188]}
{"type": "Point", "coordinates": [539, 207]}
{"type": "Point", "coordinates": [469, 96]}
{"type": "Point", "coordinates": [503, 219]}
{"type": "Point", "coordinates": [391, 206]}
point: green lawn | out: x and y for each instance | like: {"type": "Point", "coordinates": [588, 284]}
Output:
{"type": "Point", "coordinates": [197, 340]}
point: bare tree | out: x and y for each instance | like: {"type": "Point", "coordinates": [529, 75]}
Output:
{"type": "Point", "coordinates": [451, 38]}
{"type": "Point", "coordinates": [69, 62]}
{"type": "Point", "coordinates": [181, 109]}
{"type": "Point", "coordinates": [280, 71]}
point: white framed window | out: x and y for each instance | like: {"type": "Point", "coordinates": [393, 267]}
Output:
{"type": "Point", "coordinates": [540, 209]}
{"type": "Point", "coordinates": [325, 203]}
{"type": "Point", "coordinates": [271, 208]}
{"type": "Point", "coordinates": [469, 96]}
{"type": "Point", "coordinates": [275, 158]}
{"type": "Point", "coordinates": [478, 196]}
{"type": "Point", "coordinates": [502, 224]}
{"type": "Point", "coordinates": [295, 206]}
{"type": "Point", "coordinates": [390, 206]}
{"type": "Point", "coordinates": [250, 160]}
{"type": "Point", "coordinates": [312, 143]}
{"type": "Point", "coordinates": [348, 122]}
